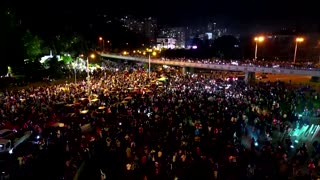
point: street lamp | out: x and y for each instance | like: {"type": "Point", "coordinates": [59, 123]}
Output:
{"type": "Point", "coordinates": [102, 40]}
{"type": "Point", "coordinates": [75, 64]}
{"type": "Point", "coordinates": [298, 40]}
{"type": "Point", "coordinates": [258, 39]}
{"type": "Point", "coordinates": [92, 56]}
{"type": "Point", "coordinates": [149, 59]}
{"type": "Point", "coordinates": [154, 53]}
{"type": "Point", "coordinates": [109, 45]}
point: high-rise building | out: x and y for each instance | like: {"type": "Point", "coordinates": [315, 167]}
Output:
{"type": "Point", "coordinates": [147, 26]}
{"type": "Point", "coordinates": [150, 25]}
{"type": "Point", "coordinates": [177, 33]}
{"type": "Point", "coordinates": [166, 43]}
{"type": "Point", "coordinates": [133, 24]}
{"type": "Point", "coordinates": [211, 26]}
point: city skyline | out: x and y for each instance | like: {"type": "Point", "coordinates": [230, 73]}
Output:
{"type": "Point", "coordinates": [243, 17]}
{"type": "Point", "coordinates": [139, 28]}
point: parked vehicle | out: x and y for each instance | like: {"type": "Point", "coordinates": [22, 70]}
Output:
{"type": "Point", "coordinates": [10, 141]}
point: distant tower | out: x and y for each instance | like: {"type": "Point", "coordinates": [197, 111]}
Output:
{"type": "Point", "coordinates": [210, 26]}
{"type": "Point", "coordinates": [150, 29]}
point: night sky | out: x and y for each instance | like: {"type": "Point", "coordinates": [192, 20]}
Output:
{"type": "Point", "coordinates": [241, 15]}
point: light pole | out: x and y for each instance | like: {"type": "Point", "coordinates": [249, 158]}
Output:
{"type": "Point", "coordinates": [88, 73]}
{"type": "Point", "coordinates": [102, 40]}
{"type": "Point", "coordinates": [149, 65]}
{"type": "Point", "coordinates": [298, 40]}
{"type": "Point", "coordinates": [75, 71]}
{"type": "Point", "coordinates": [149, 60]}
{"type": "Point", "coordinates": [257, 40]}
{"type": "Point", "coordinates": [75, 76]}
{"type": "Point", "coordinates": [75, 68]}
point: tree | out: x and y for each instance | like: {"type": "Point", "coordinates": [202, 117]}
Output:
{"type": "Point", "coordinates": [73, 44]}
{"type": "Point", "coordinates": [227, 47]}
{"type": "Point", "coordinates": [66, 59]}
{"type": "Point", "coordinates": [34, 70]}
{"type": "Point", "coordinates": [55, 67]}
{"type": "Point", "coordinates": [32, 46]}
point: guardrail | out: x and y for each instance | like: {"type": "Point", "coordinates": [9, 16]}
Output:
{"type": "Point", "coordinates": [218, 66]}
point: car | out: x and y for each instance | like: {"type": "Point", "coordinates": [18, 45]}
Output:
{"type": "Point", "coordinates": [5, 145]}
{"type": "Point", "coordinates": [231, 78]}
{"type": "Point", "coordinates": [8, 144]}
{"type": "Point", "coordinates": [7, 133]}
{"type": "Point", "coordinates": [262, 76]}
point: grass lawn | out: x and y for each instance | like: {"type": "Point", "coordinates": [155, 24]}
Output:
{"type": "Point", "coordinates": [40, 83]}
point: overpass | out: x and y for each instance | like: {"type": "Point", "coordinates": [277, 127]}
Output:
{"type": "Point", "coordinates": [249, 70]}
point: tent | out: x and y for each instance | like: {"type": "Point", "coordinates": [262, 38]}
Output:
{"type": "Point", "coordinates": [162, 79]}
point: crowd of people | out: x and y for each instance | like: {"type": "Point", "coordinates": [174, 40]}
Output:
{"type": "Point", "coordinates": [165, 125]}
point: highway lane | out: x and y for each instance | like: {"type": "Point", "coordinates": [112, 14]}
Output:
{"type": "Point", "coordinates": [295, 79]}
{"type": "Point", "coordinates": [227, 67]}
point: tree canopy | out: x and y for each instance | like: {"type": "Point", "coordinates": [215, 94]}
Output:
{"type": "Point", "coordinates": [33, 48]}
{"type": "Point", "coordinates": [73, 44]}
{"type": "Point", "coordinates": [55, 67]}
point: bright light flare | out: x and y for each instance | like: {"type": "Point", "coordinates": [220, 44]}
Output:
{"type": "Point", "coordinates": [299, 39]}
{"type": "Point", "coordinates": [259, 39]}
{"type": "Point", "coordinates": [154, 53]}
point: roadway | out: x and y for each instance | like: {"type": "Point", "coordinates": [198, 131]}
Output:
{"type": "Point", "coordinates": [295, 79]}
{"type": "Point", "coordinates": [226, 67]}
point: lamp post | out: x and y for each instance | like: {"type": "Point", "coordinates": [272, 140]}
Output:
{"type": "Point", "coordinates": [102, 40]}
{"type": "Point", "coordinates": [88, 73]}
{"type": "Point", "coordinates": [109, 45]}
{"type": "Point", "coordinates": [257, 40]}
{"type": "Point", "coordinates": [149, 60]}
{"type": "Point", "coordinates": [298, 40]}
{"type": "Point", "coordinates": [75, 68]}
{"type": "Point", "coordinates": [149, 65]}
{"type": "Point", "coordinates": [75, 76]}
{"type": "Point", "coordinates": [75, 71]}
